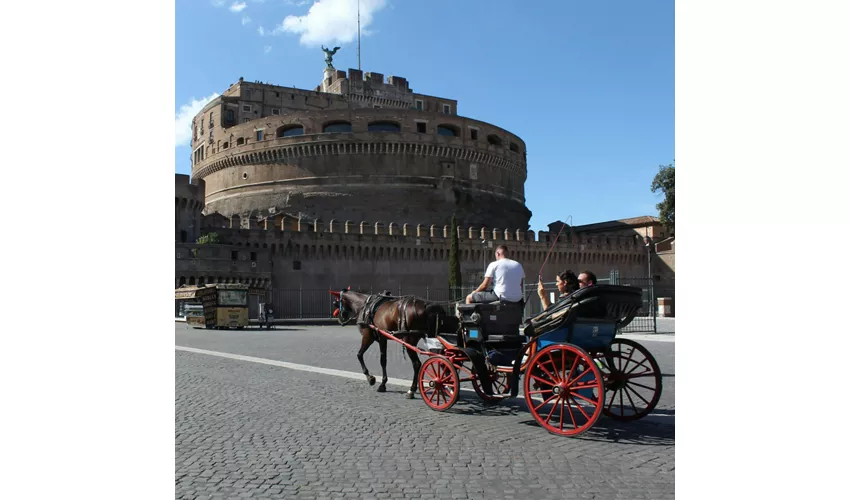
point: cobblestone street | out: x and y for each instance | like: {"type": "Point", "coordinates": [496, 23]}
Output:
{"type": "Point", "coordinates": [246, 429]}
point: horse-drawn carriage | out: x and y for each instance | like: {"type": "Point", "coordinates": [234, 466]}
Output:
{"type": "Point", "coordinates": [572, 366]}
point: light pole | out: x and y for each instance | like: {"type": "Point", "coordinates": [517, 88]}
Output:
{"type": "Point", "coordinates": [648, 245]}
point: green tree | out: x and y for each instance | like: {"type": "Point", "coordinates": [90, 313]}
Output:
{"type": "Point", "coordinates": [665, 180]}
{"type": "Point", "coordinates": [455, 278]}
{"type": "Point", "coordinates": [209, 239]}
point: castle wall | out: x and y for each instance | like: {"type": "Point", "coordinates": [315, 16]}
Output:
{"type": "Point", "coordinates": [188, 205]}
{"type": "Point", "coordinates": [369, 175]}
{"type": "Point", "coordinates": [316, 257]}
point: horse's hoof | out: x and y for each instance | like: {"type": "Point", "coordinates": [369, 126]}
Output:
{"type": "Point", "coordinates": [371, 380]}
{"type": "Point", "coordinates": [382, 388]}
{"type": "Point", "coordinates": [409, 395]}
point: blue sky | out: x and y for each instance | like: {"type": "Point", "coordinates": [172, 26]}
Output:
{"type": "Point", "coordinates": [589, 86]}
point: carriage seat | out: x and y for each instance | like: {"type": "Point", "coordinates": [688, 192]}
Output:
{"type": "Point", "coordinates": [498, 318]}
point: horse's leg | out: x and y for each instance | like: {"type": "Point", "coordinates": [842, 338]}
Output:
{"type": "Point", "coordinates": [382, 343]}
{"type": "Point", "coordinates": [366, 341]}
{"type": "Point", "coordinates": [414, 359]}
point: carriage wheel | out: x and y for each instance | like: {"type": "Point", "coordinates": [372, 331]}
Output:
{"type": "Point", "coordinates": [439, 383]}
{"type": "Point", "coordinates": [569, 397]}
{"type": "Point", "coordinates": [501, 387]}
{"type": "Point", "coordinates": [632, 379]}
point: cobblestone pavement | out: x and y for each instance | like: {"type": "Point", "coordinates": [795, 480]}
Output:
{"type": "Point", "coordinates": [245, 429]}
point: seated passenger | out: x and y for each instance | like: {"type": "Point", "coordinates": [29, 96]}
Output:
{"type": "Point", "coordinates": [567, 283]}
{"type": "Point", "coordinates": [586, 279]}
{"type": "Point", "coordinates": [506, 275]}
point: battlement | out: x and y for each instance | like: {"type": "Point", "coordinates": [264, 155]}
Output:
{"type": "Point", "coordinates": [285, 224]}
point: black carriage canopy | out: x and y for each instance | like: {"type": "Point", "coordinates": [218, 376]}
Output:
{"type": "Point", "coordinates": [615, 303]}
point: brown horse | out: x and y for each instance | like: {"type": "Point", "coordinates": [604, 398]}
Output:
{"type": "Point", "coordinates": [420, 318]}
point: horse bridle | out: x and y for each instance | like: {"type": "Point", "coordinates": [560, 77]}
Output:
{"type": "Point", "coordinates": [343, 321]}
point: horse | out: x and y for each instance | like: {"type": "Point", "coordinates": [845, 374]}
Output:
{"type": "Point", "coordinates": [419, 316]}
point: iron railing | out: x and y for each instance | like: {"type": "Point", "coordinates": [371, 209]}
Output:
{"type": "Point", "coordinates": [317, 303]}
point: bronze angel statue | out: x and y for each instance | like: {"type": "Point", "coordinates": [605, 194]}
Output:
{"type": "Point", "coordinates": [329, 56]}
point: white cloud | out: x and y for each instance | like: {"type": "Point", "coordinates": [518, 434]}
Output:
{"type": "Point", "coordinates": [183, 119]}
{"type": "Point", "coordinates": [331, 21]}
{"type": "Point", "coordinates": [261, 31]}
{"type": "Point", "coordinates": [267, 49]}
{"type": "Point", "coordinates": [218, 3]}
{"type": "Point", "coordinates": [237, 7]}
{"type": "Point", "coordinates": [245, 20]}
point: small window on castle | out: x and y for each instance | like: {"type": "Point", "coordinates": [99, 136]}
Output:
{"type": "Point", "coordinates": [336, 127]}
{"type": "Point", "coordinates": [420, 104]}
{"type": "Point", "coordinates": [447, 109]}
{"type": "Point", "coordinates": [229, 115]}
{"type": "Point", "coordinates": [447, 130]}
{"type": "Point", "coordinates": [253, 256]}
{"type": "Point", "coordinates": [275, 112]}
{"type": "Point", "coordinates": [234, 255]}
{"type": "Point", "coordinates": [420, 127]}
{"type": "Point", "coordinates": [495, 140]}
{"type": "Point", "coordinates": [514, 148]}
{"type": "Point", "coordinates": [246, 108]}
{"type": "Point", "coordinates": [473, 134]}
{"type": "Point", "coordinates": [277, 94]}
{"type": "Point", "coordinates": [240, 141]}
{"type": "Point", "coordinates": [384, 127]}
{"type": "Point", "coordinates": [226, 145]}
{"type": "Point", "coordinates": [259, 135]}
{"type": "Point", "coordinates": [289, 130]}
{"type": "Point", "coordinates": [292, 96]}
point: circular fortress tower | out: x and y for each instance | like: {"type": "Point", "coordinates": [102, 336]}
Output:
{"type": "Point", "coordinates": [358, 149]}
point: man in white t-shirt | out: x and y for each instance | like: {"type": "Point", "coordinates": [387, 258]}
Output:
{"type": "Point", "coordinates": [505, 276]}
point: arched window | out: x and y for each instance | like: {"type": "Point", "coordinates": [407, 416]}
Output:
{"type": "Point", "coordinates": [336, 127]}
{"type": "Point", "coordinates": [225, 145]}
{"type": "Point", "coordinates": [289, 130]}
{"type": "Point", "coordinates": [494, 140]}
{"type": "Point", "coordinates": [240, 141]}
{"type": "Point", "coordinates": [448, 130]}
{"type": "Point", "coordinates": [384, 127]}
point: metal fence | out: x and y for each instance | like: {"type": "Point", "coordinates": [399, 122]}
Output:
{"type": "Point", "coordinates": [317, 303]}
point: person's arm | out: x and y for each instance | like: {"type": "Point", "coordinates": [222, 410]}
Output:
{"type": "Point", "coordinates": [544, 301]}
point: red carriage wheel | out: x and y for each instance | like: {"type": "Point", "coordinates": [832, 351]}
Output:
{"type": "Point", "coordinates": [501, 387]}
{"type": "Point", "coordinates": [632, 380]}
{"type": "Point", "coordinates": [569, 395]}
{"type": "Point", "coordinates": [439, 383]}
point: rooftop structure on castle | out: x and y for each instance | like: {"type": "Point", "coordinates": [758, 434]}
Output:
{"type": "Point", "coordinates": [357, 147]}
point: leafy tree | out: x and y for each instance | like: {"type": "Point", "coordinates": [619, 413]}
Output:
{"type": "Point", "coordinates": [455, 278]}
{"type": "Point", "coordinates": [665, 180]}
{"type": "Point", "coordinates": [209, 239]}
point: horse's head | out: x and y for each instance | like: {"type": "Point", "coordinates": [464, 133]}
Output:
{"type": "Point", "coordinates": [347, 305]}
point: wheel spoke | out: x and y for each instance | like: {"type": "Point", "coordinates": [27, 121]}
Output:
{"type": "Point", "coordinates": [554, 407]}
{"type": "Point", "coordinates": [621, 404]}
{"type": "Point", "coordinates": [580, 408]}
{"type": "Point", "coordinates": [572, 381]}
{"type": "Point", "coordinates": [562, 414]}
{"type": "Point", "coordinates": [641, 385]}
{"type": "Point", "coordinates": [631, 401]}
{"type": "Point", "coordinates": [613, 397]}
{"type": "Point", "coordinates": [636, 394]}
{"type": "Point", "coordinates": [541, 364]}
{"type": "Point", "coordinates": [572, 418]}
{"type": "Point", "coordinates": [545, 402]}
{"type": "Point", "coordinates": [575, 394]}
{"type": "Point", "coordinates": [638, 365]}
{"type": "Point", "coordinates": [538, 379]}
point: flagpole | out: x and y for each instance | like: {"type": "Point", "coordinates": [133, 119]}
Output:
{"type": "Point", "coordinates": [358, 35]}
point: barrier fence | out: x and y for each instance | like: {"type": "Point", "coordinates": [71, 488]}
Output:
{"type": "Point", "coordinates": [317, 303]}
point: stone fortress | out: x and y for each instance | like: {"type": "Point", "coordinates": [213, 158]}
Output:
{"type": "Point", "coordinates": [355, 183]}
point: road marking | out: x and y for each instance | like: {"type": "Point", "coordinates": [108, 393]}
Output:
{"type": "Point", "coordinates": [649, 338]}
{"type": "Point", "coordinates": [293, 366]}
{"type": "Point", "coordinates": [658, 418]}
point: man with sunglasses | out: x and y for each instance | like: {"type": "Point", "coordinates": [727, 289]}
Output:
{"type": "Point", "coordinates": [586, 279]}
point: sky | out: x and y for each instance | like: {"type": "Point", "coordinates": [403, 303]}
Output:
{"type": "Point", "coordinates": [589, 86]}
